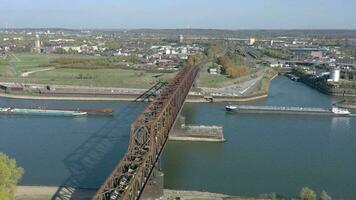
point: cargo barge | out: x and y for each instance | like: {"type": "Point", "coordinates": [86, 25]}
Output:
{"type": "Point", "coordinates": [41, 112]}
{"type": "Point", "coordinates": [287, 110]}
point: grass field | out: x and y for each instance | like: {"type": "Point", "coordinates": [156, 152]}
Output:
{"type": "Point", "coordinates": [26, 61]}
{"type": "Point", "coordinates": [98, 77]}
{"type": "Point", "coordinates": [103, 77]}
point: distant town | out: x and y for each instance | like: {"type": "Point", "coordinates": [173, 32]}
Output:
{"type": "Point", "coordinates": [325, 60]}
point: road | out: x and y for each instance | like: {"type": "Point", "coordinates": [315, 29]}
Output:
{"type": "Point", "coordinates": [240, 89]}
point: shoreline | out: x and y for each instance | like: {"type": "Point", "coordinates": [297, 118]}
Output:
{"type": "Point", "coordinates": [47, 192]}
{"type": "Point", "coordinates": [190, 99]}
{"type": "Point", "coordinates": [195, 139]}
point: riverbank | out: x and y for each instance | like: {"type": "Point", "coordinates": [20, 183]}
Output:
{"type": "Point", "coordinates": [84, 93]}
{"type": "Point", "coordinates": [191, 98]}
{"type": "Point", "coordinates": [323, 86]}
{"type": "Point", "coordinates": [46, 193]}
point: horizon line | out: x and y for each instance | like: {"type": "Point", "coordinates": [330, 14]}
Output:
{"type": "Point", "coordinates": [220, 29]}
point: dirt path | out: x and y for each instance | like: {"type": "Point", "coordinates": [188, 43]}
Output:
{"type": "Point", "coordinates": [26, 74]}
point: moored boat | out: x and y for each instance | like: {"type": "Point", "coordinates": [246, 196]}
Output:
{"type": "Point", "coordinates": [340, 111]}
{"type": "Point", "coordinates": [43, 112]}
{"type": "Point", "coordinates": [230, 108]}
{"type": "Point", "coordinates": [288, 110]}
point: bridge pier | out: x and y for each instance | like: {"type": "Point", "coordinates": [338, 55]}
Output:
{"type": "Point", "coordinates": [196, 133]}
{"type": "Point", "coordinates": [154, 187]}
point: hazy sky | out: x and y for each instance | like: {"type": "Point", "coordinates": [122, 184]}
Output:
{"type": "Point", "coordinates": [220, 14]}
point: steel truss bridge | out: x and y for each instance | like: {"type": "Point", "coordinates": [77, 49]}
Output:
{"type": "Point", "coordinates": [148, 136]}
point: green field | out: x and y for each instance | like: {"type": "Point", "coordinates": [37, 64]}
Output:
{"type": "Point", "coordinates": [101, 77]}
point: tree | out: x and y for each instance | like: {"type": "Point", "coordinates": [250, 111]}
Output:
{"type": "Point", "coordinates": [307, 194]}
{"type": "Point", "coordinates": [59, 51]}
{"type": "Point", "coordinates": [324, 196]}
{"type": "Point", "coordinates": [10, 174]}
{"type": "Point", "coordinates": [232, 65]}
{"type": "Point", "coordinates": [195, 59]}
{"type": "Point", "coordinates": [5, 195]}
{"type": "Point", "coordinates": [213, 51]}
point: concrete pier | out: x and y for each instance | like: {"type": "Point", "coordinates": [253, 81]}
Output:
{"type": "Point", "coordinates": [197, 133]}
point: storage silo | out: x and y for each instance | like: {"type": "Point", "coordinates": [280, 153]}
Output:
{"type": "Point", "coordinates": [335, 75]}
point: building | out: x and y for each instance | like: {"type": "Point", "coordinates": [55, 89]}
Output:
{"type": "Point", "coordinates": [37, 48]}
{"type": "Point", "coordinates": [316, 54]}
{"type": "Point", "coordinates": [252, 41]}
{"type": "Point", "coordinates": [213, 71]}
{"type": "Point", "coordinates": [275, 64]}
{"type": "Point", "coordinates": [168, 52]}
{"type": "Point", "coordinates": [77, 49]}
{"type": "Point", "coordinates": [12, 86]}
{"type": "Point", "coordinates": [181, 38]}
{"type": "Point", "coordinates": [335, 75]}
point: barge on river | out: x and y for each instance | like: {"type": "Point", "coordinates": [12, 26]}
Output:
{"type": "Point", "coordinates": [287, 110]}
{"type": "Point", "coordinates": [41, 112]}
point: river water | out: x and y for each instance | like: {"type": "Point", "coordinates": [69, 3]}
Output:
{"type": "Point", "coordinates": [263, 153]}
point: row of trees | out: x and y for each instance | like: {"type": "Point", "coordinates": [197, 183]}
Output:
{"type": "Point", "coordinates": [214, 51]}
{"type": "Point", "coordinates": [194, 59]}
{"type": "Point", "coordinates": [278, 53]}
{"type": "Point", "coordinates": [308, 194]}
{"type": "Point", "coordinates": [10, 174]}
{"type": "Point", "coordinates": [89, 63]}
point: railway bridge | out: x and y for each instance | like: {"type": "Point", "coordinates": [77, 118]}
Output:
{"type": "Point", "coordinates": [148, 136]}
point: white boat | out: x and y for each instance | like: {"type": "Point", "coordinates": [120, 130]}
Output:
{"type": "Point", "coordinates": [5, 109]}
{"type": "Point", "coordinates": [340, 111]}
{"type": "Point", "coordinates": [230, 108]}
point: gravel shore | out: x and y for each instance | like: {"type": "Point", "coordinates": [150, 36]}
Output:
{"type": "Point", "coordinates": [44, 193]}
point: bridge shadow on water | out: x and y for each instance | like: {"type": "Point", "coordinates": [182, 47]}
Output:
{"type": "Point", "coordinates": [94, 159]}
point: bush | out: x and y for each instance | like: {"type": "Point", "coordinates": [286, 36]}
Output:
{"type": "Point", "coordinates": [307, 194]}
{"type": "Point", "coordinates": [10, 174]}
{"type": "Point", "coordinates": [324, 196]}
{"type": "Point", "coordinates": [278, 53]}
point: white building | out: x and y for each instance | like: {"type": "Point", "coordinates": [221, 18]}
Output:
{"type": "Point", "coordinates": [168, 52]}
{"type": "Point", "coordinates": [252, 41]}
{"type": "Point", "coordinates": [213, 71]}
{"type": "Point", "coordinates": [335, 75]}
{"type": "Point", "coordinates": [181, 38]}
{"type": "Point", "coordinates": [184, 50]}
{"type": "Point", "coordinates": [37, 48]}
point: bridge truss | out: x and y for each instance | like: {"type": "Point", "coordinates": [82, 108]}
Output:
{"type": "Point", "coordinates": [148, 136]}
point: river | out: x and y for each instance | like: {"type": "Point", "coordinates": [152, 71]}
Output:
{"type": "Point", "coordinates": [263, 153]}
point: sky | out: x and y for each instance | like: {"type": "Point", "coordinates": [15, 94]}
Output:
{"type": "Point", "coordinates": [205, 14]}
